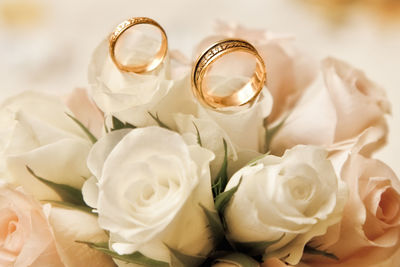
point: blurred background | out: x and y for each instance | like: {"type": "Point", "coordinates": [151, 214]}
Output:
{"type": "Point", "coordinates": [47, 44]}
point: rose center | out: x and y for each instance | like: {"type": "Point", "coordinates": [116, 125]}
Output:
{"type": "Point", "coordinates": [8, 224]}
{"type": "Point", "coordinates": [361, 87]}
{"type": "Point", "coordinates": [299, 188]}
{"type": "Point", "coordinates": [147, 193]}
{"type": "Point", "coordinates": [389, 206]}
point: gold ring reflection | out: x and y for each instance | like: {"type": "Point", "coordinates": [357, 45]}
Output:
{"type": "Point", "coordinates": [244, 95]}
{"type": "Point", "coordinates": [157, 59]}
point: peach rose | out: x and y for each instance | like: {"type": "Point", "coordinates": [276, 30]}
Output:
{"type": "Point", "coordinates": [369, 233]}
{"type": "Point", "coordinates": [340, 105]}
{"type": "Point", "coordinates": [26, 238]}
{"type": "Point", "coordinates": [37, 236]}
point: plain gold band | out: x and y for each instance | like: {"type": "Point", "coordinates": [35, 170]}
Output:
{"type": "Point", "coordinates": [246, 94]}
{"type": "Point", "coordinates": [159, 56]}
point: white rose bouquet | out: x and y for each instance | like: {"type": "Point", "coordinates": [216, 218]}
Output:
{"type": "Point", "coordinates": [137, 171]}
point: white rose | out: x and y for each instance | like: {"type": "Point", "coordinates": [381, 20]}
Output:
{"type": "Point", "coordinates": [148, 191]}
{"type": "Point", "coordinates": [223, 79]}
{"type": "Point", "coordinates": [36, 132]}
{"type": "Point", "coordinates": [127, 95]}
{"type": "Point", "coordinates": [296, 197]}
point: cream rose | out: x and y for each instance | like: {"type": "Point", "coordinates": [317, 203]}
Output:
{"type": "Point", "coordinates": [228, 123]}
{"type": "Point", "coordinates": [37, 133]}
{"type": "Point", "coordinates": [148, 190]}
{"type": "Point", "coordinates": [130, 96]}
{"type": "Point", "coordinates": [295, 198]}
{"type": "Point", "coordinates": [32, 235]}
{"type": "Point", "coordinates": [127, 95]}
{"type": "Point", "coordinates": [340, 105]}
{"type": "Point", "coordinates": [369, 233]}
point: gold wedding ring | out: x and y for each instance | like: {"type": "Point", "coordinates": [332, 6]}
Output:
{"type": "Point", "coordinates": [157, 59]}
{"type": "Point", "coordinates": [244, 95]}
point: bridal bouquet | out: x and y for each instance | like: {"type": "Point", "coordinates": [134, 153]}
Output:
{"type": "Point", "coordinates": [136, 171]}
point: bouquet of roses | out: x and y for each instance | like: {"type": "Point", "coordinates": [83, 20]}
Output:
{"type": "Point", "coordinates": [139, 171]}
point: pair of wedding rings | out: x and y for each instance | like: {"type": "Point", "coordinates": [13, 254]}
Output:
{"type": "Point", "coordinates": [245, 95]}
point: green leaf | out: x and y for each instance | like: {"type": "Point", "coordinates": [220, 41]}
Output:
{"type": "Point", "coordinates": [255, 160]}
{"type": "Point", "coordinates": [105, 126]}
{"type": "Point", "coordinates": [315, 251]}
{"type": "Point", "coordinates": [198, 135]}
{"type": "Point", "coordinates": [136, 257]}
{"type": "Point", "coordinates": [255, 248]}
{"type": "Point", "coordinates": [157, 119]}
{"type": "Point", "coordinates": [71, 206]}
{"type": "Point", "coordinates": [67, 193]}
{"type": "Point", "coordinates": [179, 259]}
{"type": "Point", "coordinates": [118, 125]}
{"type": "Point", "coordinates": [83, 127]}
{"type": "Point", "coordinates": [238, 259]}
{"type": "Point", "coordinates": [221, 180]}
{"type": "Point", "coordinates": [222, 200]}
{"type": "Point", "coordinates": [270, 133]}
{"type": "Point", "coordinates": [214, 224]}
